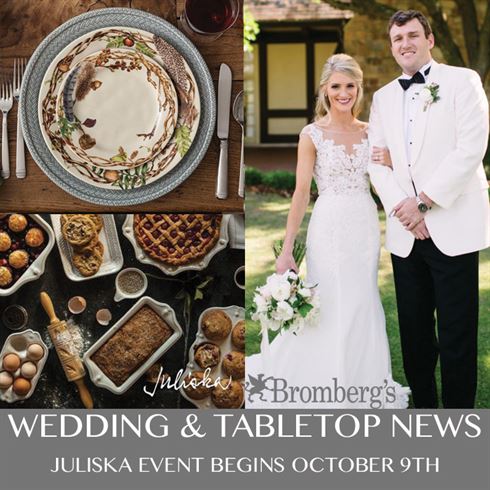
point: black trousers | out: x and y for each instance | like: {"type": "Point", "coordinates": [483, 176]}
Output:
{"type": "Point", "coordinates": [432, 285]}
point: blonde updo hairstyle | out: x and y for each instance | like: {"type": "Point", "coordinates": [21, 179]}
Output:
{"type": "Point", "coordinates": [341, 63]}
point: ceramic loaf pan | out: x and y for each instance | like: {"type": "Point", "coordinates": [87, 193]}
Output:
{"type": "Point", "coordinates": [97, 375]}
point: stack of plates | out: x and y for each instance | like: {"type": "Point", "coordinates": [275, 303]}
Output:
{"type": "Point", "coordinates": [117, 106]}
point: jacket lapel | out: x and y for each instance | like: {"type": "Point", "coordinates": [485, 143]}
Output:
{"type": "Point", "coordinates": [422, 116]}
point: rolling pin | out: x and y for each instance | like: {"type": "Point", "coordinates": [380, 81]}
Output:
{"type": "Point", "coordinates": [70, 360]}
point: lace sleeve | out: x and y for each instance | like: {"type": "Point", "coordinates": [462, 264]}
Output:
{"type": "Point", "coordinates": [312, 132]}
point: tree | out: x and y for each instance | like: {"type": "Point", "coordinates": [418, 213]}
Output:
{"type": "Point", "coordinates": [476, 34]}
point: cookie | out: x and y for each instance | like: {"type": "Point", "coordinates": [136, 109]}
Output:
{"type": "Point", "coordinates": [87, 262]}
{"type": "Point", "coordinates": [96, 218]}
{"type": "Point", "coordinates": [79, 230]}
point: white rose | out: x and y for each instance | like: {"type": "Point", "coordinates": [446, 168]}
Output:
{"type": "Point", "coordinates": [284, 312]}
{"type": "Point", "coordinates": [279, 287]}
{"type": "Point", "coordinates": [292, 275]}
{"type": "Point", "coordinates": [425, 95]}
{"type": "Point", "coordinates": [260, 303]}
{"type": "Point", "coordinates": [270, 324]}
{"type": "Point", "coordinates": [264, 291]}
{"type": "Point", "coordinates": [305, 292]}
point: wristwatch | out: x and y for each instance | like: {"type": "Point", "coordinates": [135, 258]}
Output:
{"type": "Point", "coordinates": [423, 208]}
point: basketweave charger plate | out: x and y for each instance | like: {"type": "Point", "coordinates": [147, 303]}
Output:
{"type": "Point", "coordinates": [235, 313]}
{"type": "Point", "coordinates": [144, 43]}
{"type": "Point", "coordinates": [173, 270]}
{"type": "Point", "coordinates": [134, 21]}
{"type": "Point", "coordinates": [116, 109]}
{"type": "Point", "coordinates": [113, 259]}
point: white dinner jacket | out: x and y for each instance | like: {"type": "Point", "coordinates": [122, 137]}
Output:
{"type": "Point", "coordinates": [449, 142]}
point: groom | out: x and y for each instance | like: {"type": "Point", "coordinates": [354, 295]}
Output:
{"type": "Point", "coordinates": [434, 121]}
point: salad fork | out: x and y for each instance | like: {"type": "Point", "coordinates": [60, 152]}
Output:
{"type": "Point", "coordinates": [6, 102]}
{"type": "Point", "coordinates": [20, 159]}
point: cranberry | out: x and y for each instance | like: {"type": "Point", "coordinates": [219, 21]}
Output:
{"type": "Point", "coordinates": [164, 225]}
{"type": "Point", "coordinates": [3, 262]}
{"type": "Point", "coordinates": [166, 243]}
{"type": "Point", "coordinates": [173, 233]}
{"type": "Point", "coordinates": [156, 233]}
{"type": "Point", "coordinates": [196, 243]}
{"type": "Point", "coordinates": [171, 250]}
{"type": "Point", "coordinates": [148, 226]}
{"type": "Point", "coordinates": [187, 250]}
{"type": "Point", "coordinates": [147, 241]}
{"type": "Point", "coordinates": [207, 217]}
{"type": "Point", "coordinates": [174, 217]}
{"type": "Point", "coordinates": [198, 226]}
{"type": "Point", "coordinates": [191, 218]}
{"type": "Point", "coordinates": [181, 242]}
{"type": "Point", "coordinates": [178, 256]}
{"type": "Point", "coordinates": [190, 233]}
{"type": "Point", "coordinates": [205, 234]}
{"type": "Point", "coordinates": [158, 217]}
{"type": "Point", "coordinates": [182, 227]}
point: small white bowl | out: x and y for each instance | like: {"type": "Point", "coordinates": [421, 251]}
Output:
{"type": "Point", "coordinates": [120, 295]}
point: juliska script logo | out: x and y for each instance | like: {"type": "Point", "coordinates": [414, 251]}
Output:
{"type": "Point", "coordinates": [277, 390]}
{"type": "Point", "coordinates": [164, 381]}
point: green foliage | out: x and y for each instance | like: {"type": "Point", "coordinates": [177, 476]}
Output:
{"type": "Point", "coordinates": [67, 127]}
{"type": "Point", "coordinates": [280, 180]}
{"type": "Point", "coordinates": [250, 29]}
{"type": "Point", "coordinates": [299, 250]}
{"type": "Point", "coordinates": [183, 139]}
{"type": "Point", "coordinates": [253, 176]}
{"type": "Point", "coordinates": [115, 42]}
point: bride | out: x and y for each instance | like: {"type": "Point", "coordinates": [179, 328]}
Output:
{"type": "Point", "coordinates": [344, 360]}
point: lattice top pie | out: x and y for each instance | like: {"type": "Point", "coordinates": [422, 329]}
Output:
{"type": "Point", "coordinates": [177, 239]}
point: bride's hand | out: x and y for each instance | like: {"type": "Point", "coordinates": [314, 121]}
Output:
{"type": "Point", "coordinates": [381, 156]}
{"type": "Point", "coordinates": [284, 263]}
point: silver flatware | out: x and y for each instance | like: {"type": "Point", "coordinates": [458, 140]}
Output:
{"type": "Point", "coordinates": [6, 102]}
{"type": "Point", "coordinates": [239, 118]}
{"type": "Point", "coordinates": [20, 159]}
{"type": "Point", "coordinates": [223, 126]}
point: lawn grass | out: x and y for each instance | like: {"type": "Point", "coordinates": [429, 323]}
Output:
{"type": "Point", "coordinates": [266, 216]}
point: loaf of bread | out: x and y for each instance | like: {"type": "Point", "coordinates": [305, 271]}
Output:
{"type": "Point", "coordinates": [132, 345]}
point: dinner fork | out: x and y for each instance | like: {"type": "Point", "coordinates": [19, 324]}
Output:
{"type": "Point", "coordinates": [20, 159]}
{"type": "Point", "coordinates": [6, 102]}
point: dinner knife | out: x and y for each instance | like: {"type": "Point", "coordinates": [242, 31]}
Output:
{"type": "Point", "coordinates": [223, 125]}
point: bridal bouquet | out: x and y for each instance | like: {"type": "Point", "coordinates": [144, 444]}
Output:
{"type": "Point", "coordinates": [285, 302]}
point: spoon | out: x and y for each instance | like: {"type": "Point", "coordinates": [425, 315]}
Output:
{"type": "Point", "coordinates": [238, 115]}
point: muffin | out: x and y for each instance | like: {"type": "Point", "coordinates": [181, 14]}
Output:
{"type": "Point", "coordinates": [207, 355]}
{"type": "Point", "coordinates": [34, 238]}
{"type": "Point", "coordinates": [227, 394]}
{"type": "Point", "coordinates": [5, 276]}
{"type": "Point", "coordinates": [238, 335]}
{"type": "Point", "coordinates": [17, 222]}
{"type": "Point", "coordinates": [197, 386]}
{"type": "Point", "coordinates": [216, 325]}
{"type": "Point", "coordinates": [234, 364]}
{"type": "Point", "coordinates": [5, 241]}
{"type": "Point", "coordinates": [19, 259]}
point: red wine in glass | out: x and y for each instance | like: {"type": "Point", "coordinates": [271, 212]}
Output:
{"type": "Point", "coordinates": [211, 16]}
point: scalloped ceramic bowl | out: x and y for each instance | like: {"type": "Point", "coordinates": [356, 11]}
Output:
{"type": "Point", "coordinates": [173, 270]}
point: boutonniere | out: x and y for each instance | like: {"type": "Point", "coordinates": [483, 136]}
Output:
{"type": "Point", "coordinates": [429, 94]}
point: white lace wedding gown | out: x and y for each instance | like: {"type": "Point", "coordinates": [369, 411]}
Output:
{"type": "Point", "coordinates": [349, 343]}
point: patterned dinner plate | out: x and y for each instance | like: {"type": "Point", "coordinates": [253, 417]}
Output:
{"type": "Point", "coordinates": [139, 31]}
{"type": "Point", "coordinates": [116, 109]}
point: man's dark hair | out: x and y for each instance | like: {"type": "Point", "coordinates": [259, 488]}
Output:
{"type": "Point", "coordinates": [401, 17]}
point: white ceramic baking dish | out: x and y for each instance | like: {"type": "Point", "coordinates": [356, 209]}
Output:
{"type": "Point", "coordinates": [36, 269]}
{"type": "Point", "coordinates": [97, 375]}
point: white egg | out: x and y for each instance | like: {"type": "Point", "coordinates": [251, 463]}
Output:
{"type": "Point", "coordinates": [28, 370]}
{"type": "Point", "coordinates": [35, 352]}
{"type": "Point", "coordinates": [6, 380]}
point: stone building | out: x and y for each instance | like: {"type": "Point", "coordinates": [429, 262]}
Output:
{"type": "Point", "coordinates": [282, 72]}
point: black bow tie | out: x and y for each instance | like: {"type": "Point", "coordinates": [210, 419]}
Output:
{"type": "Point", "coordinates": [417, 78]}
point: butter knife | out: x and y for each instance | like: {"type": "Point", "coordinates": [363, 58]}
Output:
{"type": "Point", "coordinates": [223, 125]}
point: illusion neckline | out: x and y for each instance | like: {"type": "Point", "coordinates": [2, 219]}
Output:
{"type": "Point", "coordinates": [323, 128]}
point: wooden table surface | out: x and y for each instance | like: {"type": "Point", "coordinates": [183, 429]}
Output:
{"type": "Point", "coordinates": [25, 23]}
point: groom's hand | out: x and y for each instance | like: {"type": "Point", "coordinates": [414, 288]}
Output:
{"type": "Point", "coordinates": [420, 232]}
{"type": "Point", "coordinates": [408, 213]}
